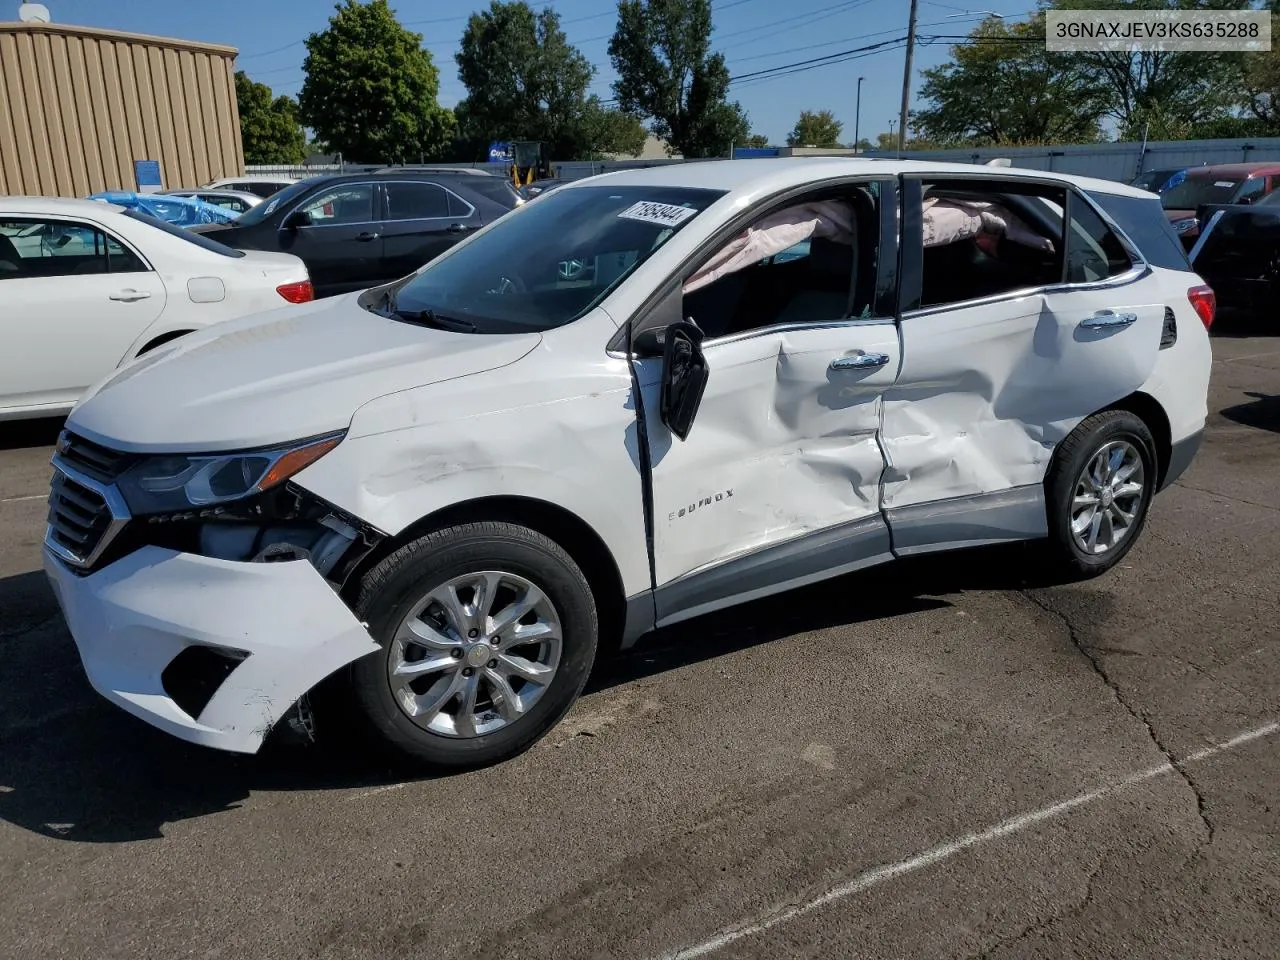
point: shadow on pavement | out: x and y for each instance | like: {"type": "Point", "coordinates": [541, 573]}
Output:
{"type": "Point", "coordinates": [76, 768]}
{"type": "Point", "coordinates": [1240, 324]}
{"type": "Point", "coordinates": [1262, 412]}
{"type": "Point", "coordinates": [20, 434]}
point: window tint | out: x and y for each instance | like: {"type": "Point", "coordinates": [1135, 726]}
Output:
{"type": "Point", "coordinates": [1144, 222]}
{"type": "Point", "coordinates": [457, 206]}
{"type": "Point", "coordinates": [1094, 252]}
{"type": "Point", "coordinates": [808, 263]}
{"type": "Point", "coordinates": [497, 189]}
{"type": "Point", "coordinates": [57, 248]}
{"type": "Point", "coordinates": [986, 239]}
{"type": "Point", "coordinates": [416, 201]}
{"type": "Point", "coordinates": [349, 203]}
{"type": "Point", "coordinates": [1251, 190]}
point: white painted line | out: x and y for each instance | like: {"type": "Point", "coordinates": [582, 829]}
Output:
{"type": "Point", "coordinates": [34, 496]}
{"type": "Point", "coordinates": [944, 851]}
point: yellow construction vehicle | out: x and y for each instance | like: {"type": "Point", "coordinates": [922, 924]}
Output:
{"type": "Point", "coordinates": [528, 162]}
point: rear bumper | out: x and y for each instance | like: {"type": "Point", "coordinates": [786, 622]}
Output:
{"type": "Point", "coordinates": [1180, 457]}
{"type": "Point", "coordinates": [276, 629]}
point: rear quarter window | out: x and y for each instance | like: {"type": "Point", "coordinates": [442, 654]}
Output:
{"type": "Point", "coordinates": [496, 189]}
{"type": "Point", "coordinates": [1144, 222]}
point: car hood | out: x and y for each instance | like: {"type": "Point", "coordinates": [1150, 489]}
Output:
{"type": "Point", "coordinates": [279, 376]}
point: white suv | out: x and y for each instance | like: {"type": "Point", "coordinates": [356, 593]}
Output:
{"type": "Point", "coordinates": [634, 400]}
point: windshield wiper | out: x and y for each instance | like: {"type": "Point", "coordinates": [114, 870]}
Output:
{"type": "Point", "coordinates": [429, 318]}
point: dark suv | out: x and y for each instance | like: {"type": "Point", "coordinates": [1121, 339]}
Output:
{"type": "Point", "coordinates": [357, 230]}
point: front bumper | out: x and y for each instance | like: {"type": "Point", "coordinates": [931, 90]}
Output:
{"type": "Point", "coordinates": [131, 619]}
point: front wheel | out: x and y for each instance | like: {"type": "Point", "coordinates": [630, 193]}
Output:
{"type": "Point", "coordinates": [487, 632]}
{"type": "Point", "coordinates": [1099, 490]}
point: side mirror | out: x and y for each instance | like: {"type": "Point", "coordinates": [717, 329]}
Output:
{"type": "Point", "coordinates": [299, 218]}
{"type": "Point", "coordinates": [684, 376]}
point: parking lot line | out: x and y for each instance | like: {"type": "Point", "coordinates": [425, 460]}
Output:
{"type": "Point", "coordinates": [944, 851]}
{"type": "Point", "coordinates": [34, 496]}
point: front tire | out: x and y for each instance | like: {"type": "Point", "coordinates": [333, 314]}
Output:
{"type": "Point", "coordinates": [487, 632]}
{"type": "Point", "coordinates": [1099, 491]}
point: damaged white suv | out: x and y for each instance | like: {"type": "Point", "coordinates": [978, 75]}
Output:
{"type": "Point", "coordinates": [636, 399]}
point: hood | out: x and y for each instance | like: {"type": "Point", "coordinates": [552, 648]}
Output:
{"type": "Point", "coordinates": [278, 376]}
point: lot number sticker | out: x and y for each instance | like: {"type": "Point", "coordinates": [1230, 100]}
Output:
{"type": "Point", "coordinates": [663, 214]}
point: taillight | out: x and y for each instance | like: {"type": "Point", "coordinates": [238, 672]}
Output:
{"type": "Point", "coordinates": [299, 292]}
{"type": "Point", "coordinates": [1204, 302]}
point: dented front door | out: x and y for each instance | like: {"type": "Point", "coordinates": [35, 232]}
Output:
{"type": "Point", "coordinates": [784, 443]}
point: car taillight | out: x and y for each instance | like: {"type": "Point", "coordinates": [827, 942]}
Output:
{"type": "Point", "coordinates": [1204, 302]}
{"type": "Point", "coordinates": [299, 292]}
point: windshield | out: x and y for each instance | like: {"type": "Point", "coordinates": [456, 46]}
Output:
{"type": "Point", "coordinates": [550, 263]}
{"type": "Point", "coordinates": [269, 206]}
{"type": "Point", "coordinates": [199, 239]}
{"type": "Point", "coordinates": [1194, 191]}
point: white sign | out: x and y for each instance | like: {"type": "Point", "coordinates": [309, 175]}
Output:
{"type": "Point", "coordinates": [663, 214]}
{"type": "Point", "coordinates": [1236, 31]}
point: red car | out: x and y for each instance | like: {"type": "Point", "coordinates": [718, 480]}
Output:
{"type": "Point", "coordinates": [1224, 183]}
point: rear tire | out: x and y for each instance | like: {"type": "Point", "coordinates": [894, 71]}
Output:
{"type": "Point", "coordinates": [460, 680]}
{"type": "Point", "coordinates": [1099, 491]}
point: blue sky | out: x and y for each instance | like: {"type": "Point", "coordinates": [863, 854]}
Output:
{"type": "Point", "coordinates": [753, 35]}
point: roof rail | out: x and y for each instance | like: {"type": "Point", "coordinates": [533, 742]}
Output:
{"type": "Point", "coordinates": [428, 168]}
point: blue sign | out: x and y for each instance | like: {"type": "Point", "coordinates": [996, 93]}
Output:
{"type": "Point", "coordinates": [147, 173]}
{"type": "Point", "coordinates": [499, 152]}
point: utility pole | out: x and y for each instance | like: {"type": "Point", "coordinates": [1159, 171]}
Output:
{"type": "Point", "coordinates": [906, 78]}
{"type": "Point", "coordinates": [857, 115]}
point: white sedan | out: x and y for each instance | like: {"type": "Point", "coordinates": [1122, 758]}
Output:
{"type": "Point", "coordinates": [87, 286]}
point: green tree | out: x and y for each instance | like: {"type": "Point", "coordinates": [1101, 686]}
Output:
{"type": "Point", "coordinates": [661, 51]}
{"type": "Point", "coordinates": [370, 89]}
{"type": "Point", "coordinates": [525, 81]}
{"type": "Point", "coordinates": [1003, 86]}
{"type": "Point", "coordinates": [756, 140]}
{"type": "Point", "coordinates": [820, 129]}
{"type": "Point", "coordinates": [269, 128]}
{"type": "Point", "coordinates": [1166, 92]}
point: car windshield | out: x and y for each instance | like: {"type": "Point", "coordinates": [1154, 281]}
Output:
{"type": "Point", "coordinates": [1194, 191]}
{"type": "Point", "coordinates": [548, 264]}
{"type": "Point", "coordinates": [274, 202]}
{"type": "Point", "coordinates": [199, 239]}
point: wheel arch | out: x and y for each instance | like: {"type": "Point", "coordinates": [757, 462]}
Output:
{"type": "Point", "coordinates": [566, 528]}
{"type": "Point", "coordinates": [1148, 409]}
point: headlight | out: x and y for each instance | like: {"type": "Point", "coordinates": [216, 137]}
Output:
{"type": "Point", "coordinates": [162, 483]}
{"type": "Point", "coordinates": [1182, 226]}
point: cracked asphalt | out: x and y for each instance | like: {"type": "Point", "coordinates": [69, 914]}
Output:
{"type": "Point", "coordinates": [944, 758]}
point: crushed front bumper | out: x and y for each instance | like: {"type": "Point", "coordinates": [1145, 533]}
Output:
{"type": "Point", "coordinates": [270, 632]}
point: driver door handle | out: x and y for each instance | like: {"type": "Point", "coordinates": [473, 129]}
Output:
{"type": "Point", "coordinates": [128, 295]}
{"type": "Point", "coordinates": [366, 236]}
{"type": "Point", "coordinates": [1108, 318]}
{"type": "Point", "coordinates": [860, 360]}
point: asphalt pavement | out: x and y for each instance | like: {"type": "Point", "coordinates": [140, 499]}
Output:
{"type": "Point", "coordinates": [947, 758]}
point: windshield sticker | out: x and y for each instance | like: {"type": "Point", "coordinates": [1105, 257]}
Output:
{"type": "Point", "coordinates": [664, 214]}
{"type": "Point", "coordinates": [1223, 183]}
{"type": "Point", "coordinates": [271, 206]}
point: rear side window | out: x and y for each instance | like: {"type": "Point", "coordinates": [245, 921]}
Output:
{"type": "Point", "coordinates": [1094, 252]}
{"type": "Point", "coordinates": [199, 239]}
{"type": "Point", "coordinates": [1143, 221]}
{"type": "Point", "coordinates": [416, 201]}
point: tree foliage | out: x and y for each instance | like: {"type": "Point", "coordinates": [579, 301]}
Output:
{"type": "Point", "coordinates": [815, 129]}
{"type": "Point", "coordinates": [370, 89]}
{"type": "Point", "coordinates": [661, 51]}
{"type": "Point", "coordinates": [1002, 86]}
{"type": "Point", "coordinates": [525, 81]}
{"type": "Point", "coordinates": [756, 140]}
{"type": "Point", "coordinates": [269, 127]}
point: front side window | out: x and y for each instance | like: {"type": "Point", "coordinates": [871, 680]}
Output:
{"type": "Point", "coordinates": [548, 264]}
{"type": "Point", "coordinates": [59, 248]}
{"type": "Point", "coordinates": [349, 203]}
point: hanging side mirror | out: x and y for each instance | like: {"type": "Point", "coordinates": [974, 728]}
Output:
{"type": "Point", "coordinates": [684, 376]}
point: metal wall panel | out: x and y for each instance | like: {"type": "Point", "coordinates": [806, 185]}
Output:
{"type": "Point", "coordinates": [78, 106]}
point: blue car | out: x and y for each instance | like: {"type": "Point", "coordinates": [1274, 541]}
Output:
{"type": "Point", "coordinates": [180, 211]}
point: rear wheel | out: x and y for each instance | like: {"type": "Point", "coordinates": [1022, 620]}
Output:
{"type": "Point", "coordinates": [487, 632]}
{"type": "Point", "coordinates": [1099, 491]}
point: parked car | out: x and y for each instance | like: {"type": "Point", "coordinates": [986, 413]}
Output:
{"type": "Point", "coordinates": [1158, 181]}
{"type": "Point", "coordinates": [531, 190]}
{"type": "Point", "coordinates": [1238, 253]}
{"type": "Point", "coordinates": [181, 211]}
{"type": "Point", "coordinates": [88, 285]}
{"type": "Point", "coordinates": [449, 493]}
{"type": "Point", "coordinates": [236, 201]}
{"type": "Point", "coordinates": [357, 230]}
{"type": "Point", "coordinates": [262, 185]}
{"type": "Point", "coordinates": [1224, 183]}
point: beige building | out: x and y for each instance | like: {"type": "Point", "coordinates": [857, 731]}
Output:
{"type": "Point", "coordinates": [79, 106]}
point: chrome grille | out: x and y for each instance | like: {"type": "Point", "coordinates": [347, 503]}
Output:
{"type": "Point", "coordinates": [86, 511]}
{"type": "Point", "coordinates": [78, 517]}
{"type": "Point", "coordinates": [91, 459]}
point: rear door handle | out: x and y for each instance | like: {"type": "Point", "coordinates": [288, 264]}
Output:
{"type": "Point", "coordinates": [1108, 318]}
{"type": "Point", "coordinates": [129, 295]}
{"type": "Point", "coordinates": [457, 227]}
{"type": "Point", "coordinates": [860, 360]}
{"type": "Point", "coordinates": [366, 236]}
